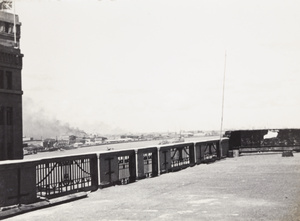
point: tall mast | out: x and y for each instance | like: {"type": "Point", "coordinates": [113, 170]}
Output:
{"type": "Point", "coordinates": [15, 27]}
{"type": "Point", "coordinates": [223, 99]}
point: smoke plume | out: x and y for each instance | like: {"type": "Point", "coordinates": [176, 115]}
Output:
{"type": "Point", "coordinates": [38, 125]}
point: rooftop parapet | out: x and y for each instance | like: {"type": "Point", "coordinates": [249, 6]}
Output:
{"type": "Point", "coordinates": [7, 37]}
{"type": "Point", "coordinates": [9, 17]}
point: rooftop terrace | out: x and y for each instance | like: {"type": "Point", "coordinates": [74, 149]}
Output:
{"type": "Point", "coordinates": [250, 187]}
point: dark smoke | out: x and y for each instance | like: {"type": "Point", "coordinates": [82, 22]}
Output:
{"type": "Point", "coordinates": [37, 125]}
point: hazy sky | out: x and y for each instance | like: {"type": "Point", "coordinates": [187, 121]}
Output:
{"type": "Point", "coordinates": [157, 65]}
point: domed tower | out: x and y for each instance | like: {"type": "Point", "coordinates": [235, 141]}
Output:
{"type": "Point", "coordinates": [11, 145]}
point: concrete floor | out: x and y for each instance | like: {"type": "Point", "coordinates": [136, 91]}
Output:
{"type": "Point", "coordinates": [250, 187]}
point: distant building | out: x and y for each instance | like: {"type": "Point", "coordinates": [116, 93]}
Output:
{"type": "Point", "coordinates": [134, 137]}
{"type": "Point", "coordinates": [26, 139]}
{"type": "Point", "coordinates": [66, 140]}
{"type": "Point", "coordinates": [100, 140]}
{"type": "Point", "coordinates": [10, 88]}
{"type": "Point", "coordinates": [49, 142]}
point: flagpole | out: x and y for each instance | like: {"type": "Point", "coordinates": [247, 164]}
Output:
{"type": "Point", "coordinates": [222, 114]}
{"type": "Point", "coordinates": [15, 28]}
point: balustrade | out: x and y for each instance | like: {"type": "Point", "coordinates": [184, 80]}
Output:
{"type": "Point", "coordinates": [59, 176]}
{"type": "Point", "coordinates": [26, 181]}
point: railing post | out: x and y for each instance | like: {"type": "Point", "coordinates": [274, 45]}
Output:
{"type": "Point", "coordinates": [94, 165]}
{"type": "Point", "coordinates": [158, 161]}
{"type": "Point", "coordinates": [137, 164]}
{"type": "Point", "coordinates": [195, 153]}
{"type": "Point", "coordinates": [17, 184]}
{"type": "Point", "coordinates": [219, 146]}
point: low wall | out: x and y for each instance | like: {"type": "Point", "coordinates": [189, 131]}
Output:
{"type": "Point", "coordinates": [25, 181]}
{"type": "Point", "coordinates": [117, 167]}
{"type": "Point", "coordinates": [264, 140]}
{"type": "Point", "coordinates": [147, 162]}
{"type": "Point", "coordinates": [65, 175]}
{"type": "Point", "coordinates": [17, 183]}
{"type": "Point", "coordinates": [173, 157]}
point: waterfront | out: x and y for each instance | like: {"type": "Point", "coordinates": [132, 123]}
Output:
{"type": "Point", "coordinates": [105, 147]}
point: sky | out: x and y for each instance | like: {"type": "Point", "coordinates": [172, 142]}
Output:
{"type": "Point", "coordinates": [146, 66]}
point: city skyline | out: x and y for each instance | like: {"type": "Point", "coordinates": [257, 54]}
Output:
{"type": "Point", "coordinates": [146, 66]}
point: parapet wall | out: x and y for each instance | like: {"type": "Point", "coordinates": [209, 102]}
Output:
{"type": "Point", "coordinates": [25, 181]}
{"type": "Point", "coordinates": [17, 183]}
{"type": "Point", "coordinates": [29, 181]}
{"type": "Point", "coordinates": [264, 140]}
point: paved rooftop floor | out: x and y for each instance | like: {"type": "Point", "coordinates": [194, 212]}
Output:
{"type": "Point", "coordinates": [250, 187]}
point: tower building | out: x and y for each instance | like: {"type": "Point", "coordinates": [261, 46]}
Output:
{"type": "Point", "coordinates": [10, 88]}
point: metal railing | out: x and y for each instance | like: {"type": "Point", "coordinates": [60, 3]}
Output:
{"type": "Point", "coordinates": [65, 175]}
{"type": "Point", "coordinates": [180, 156]}
{"type": "Point", "coordinates": [147, 164]}
{"type": "Point", "coordinates": [124, 172]}
{"type": "Point", "coordinates": [207, 151]}
{"type": "Point", "coordinates": [54, 177]}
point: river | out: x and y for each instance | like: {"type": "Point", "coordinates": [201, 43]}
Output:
{"type": "Point", "coordinates": [105, 147]}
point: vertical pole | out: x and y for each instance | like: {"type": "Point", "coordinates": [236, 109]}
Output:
{"type": "Point", "coordinates": [221, 128]}
{"type": "Point", "coordinates": [15, 28]}
{"type": "Point", "coordinates": [158, 161]}
{"type": "Point", "coordinates": [195, 153]}
{"type": "Point", "coordinates": [137, 164]}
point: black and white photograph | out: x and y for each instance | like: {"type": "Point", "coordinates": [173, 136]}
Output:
{"type": "Point", "coordinates": [150, 110]}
